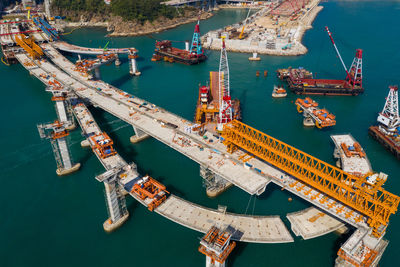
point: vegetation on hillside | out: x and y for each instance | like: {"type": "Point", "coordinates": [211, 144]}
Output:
{"type": "Point", "coordinates": [141, 10]}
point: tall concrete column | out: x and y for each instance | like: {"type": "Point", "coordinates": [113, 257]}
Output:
{"type": "Point", "coordinates": [97, 73]}
{"type": "Point", "coordinates": [115, 200]}
{"type": "Point", "coordinates": [210, 263]}
{"type": "Point", "coordinates": [213, 182]}
{"type": "Point", "coordinates": [139, 135]}
{"type": "Point", "coordinates": [133, 69]}
{"type": "Point", "coordinates": [57, 134]}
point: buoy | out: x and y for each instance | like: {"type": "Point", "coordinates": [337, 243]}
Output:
{"type": "Point", "coordinates": [265, 73]}
{"type": "Point", "coordinates": [258, 73]}
{"type": "Point", "coordinates": [290, 199]}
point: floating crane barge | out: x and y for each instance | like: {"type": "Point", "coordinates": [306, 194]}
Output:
{"type": "Point", "coordinates": [207, 110]}
{"type": "Point", "coordinates": [301, 81]}
{"type": "Point", "coordinates": [194, 55]}
{"type": "Point", "coordinates": [387, 132]}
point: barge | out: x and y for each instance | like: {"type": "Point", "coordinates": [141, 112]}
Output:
{"type": "Point", "coordinates": [207, 110]}
{"type": "Point", "coordinates": [387, 131]}
{"type": "Point", "coordinates": [194, 55]}
{"type": "Point", "coordinates": [301, 81]}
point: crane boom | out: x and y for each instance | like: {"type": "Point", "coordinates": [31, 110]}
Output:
{"type": "Point", "coordinates": [337, 51]}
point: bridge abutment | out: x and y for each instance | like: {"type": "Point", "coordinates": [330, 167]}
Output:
{"type": "Point", "coordinates": [214, 183]}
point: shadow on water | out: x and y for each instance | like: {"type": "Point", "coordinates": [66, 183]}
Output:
{"type": "Point", "coordinates": [237, 251]}
{"type": "Point", "coordinates": [121, 80]}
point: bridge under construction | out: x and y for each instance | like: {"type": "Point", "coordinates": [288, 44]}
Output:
{"type": "Point", "coordinates": [359, 201]}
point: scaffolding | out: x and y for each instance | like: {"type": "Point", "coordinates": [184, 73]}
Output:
{"type": "Point", "coordinates": [57, 134]}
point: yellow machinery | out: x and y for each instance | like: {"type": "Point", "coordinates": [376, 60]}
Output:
{"type": "Point", "coordinates": [241, 33]}
{"type": "Point", "coordinates": [371, 200]}
{"type": "Point", "coordinates": [29, 45]}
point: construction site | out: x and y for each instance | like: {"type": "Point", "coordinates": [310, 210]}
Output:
{"type": "Point", "coordinates": [228, 151]}
{"type": "Point", "coordinates": [276, 29]}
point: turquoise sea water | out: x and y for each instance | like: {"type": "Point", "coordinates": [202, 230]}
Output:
{"type": "Point", "coordinates": [49, 220]}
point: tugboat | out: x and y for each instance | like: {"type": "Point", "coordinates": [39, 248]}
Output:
{"type": "Point", "coordinates": [254, 57]}
{"type": "Point", "coordinates": [279, 92]}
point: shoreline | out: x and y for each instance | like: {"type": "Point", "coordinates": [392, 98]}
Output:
{"type": "Point", "coordinates": [297, 48]}
{"type": "Point", "coordinates": [133, 32]}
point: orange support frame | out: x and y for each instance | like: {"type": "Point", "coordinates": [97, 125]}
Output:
{"type": "Point", "coordinates": [370, 200]}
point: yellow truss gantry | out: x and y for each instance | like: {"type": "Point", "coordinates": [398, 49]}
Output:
{"type": "Point", "coordinates": [372, 201]}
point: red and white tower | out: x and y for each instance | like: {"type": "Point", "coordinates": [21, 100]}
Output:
{"type": "Point", "coordinates": [354, 76]}
{"type": "Point", "coordinates": [389, 117]}
{"type": "Point", "coordinates": [225, 103]}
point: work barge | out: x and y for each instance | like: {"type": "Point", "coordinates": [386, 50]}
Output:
{"type": "Point", "coordinates": [387, 130]}
{"type": "Point", "coordinates": [301, 81]}
{"type": "Point", "coordinates": [331, 190]}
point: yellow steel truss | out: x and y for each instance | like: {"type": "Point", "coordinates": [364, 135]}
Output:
{"type": "Point", "coordinates": [370, 200]}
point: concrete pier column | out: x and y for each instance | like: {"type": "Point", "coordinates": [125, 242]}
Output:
{"type": "Point", "coordinates": [187, 45]}
{"type": "Point", "coordinates": [213, 182]}
{"type": "Point", "coordinates": [210, 263]}
{"type": "Point", "coordinates": [63, 116]}
{"type": "Point", "coordinates": [66, 166]}
{"type": "Point", "coordinates": [115, 200]}
{"type": "Point", "coordinates": [117, 61]}
{"type": "Point", "coordinates": [133, 69]}
{"type": "Point", "coordinates": [66, 159]}
{"type": "Point", "coordinates": [57, 135]}
{"type": "Point", "coordinates": [139, 135]}
{"type": "Point", "coordinates": [97, 73]}
{"type": "Point", "coordinates": [216, 245]}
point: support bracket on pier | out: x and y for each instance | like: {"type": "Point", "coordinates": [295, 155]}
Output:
{"type": "Point", "coordinates": [213, 182]}
{"type": "Point", "coordinates": [115, 200]}
{"type": "Point", "coordinates": [139, 135]}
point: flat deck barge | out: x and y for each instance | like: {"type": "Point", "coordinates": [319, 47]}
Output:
{"type": "Point", "coordinates": [301, 81]}
{"type": "Point", "coordinates": [165, 50]}
{"type": "Point", "coordinates": [391, 143]}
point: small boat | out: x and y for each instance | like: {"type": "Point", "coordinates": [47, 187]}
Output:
{"type": "Point", "coordinates": [279, 92]}
{"type": "Point", "coordinates": [254, 57]}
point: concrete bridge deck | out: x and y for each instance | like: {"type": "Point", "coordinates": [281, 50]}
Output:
{"type": "Point", "coordinates": [149, 118]}
{"type": "Point", "coordinates": [311, 223]}
{"type": "Point", "coordinates": [256, 229]}
{"type": "Point", "coordinates": [66, 47]}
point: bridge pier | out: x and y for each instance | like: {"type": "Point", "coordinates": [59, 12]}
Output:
{"type": "Point", "coordinates": [214, 183]}
{"type": "Point", "coordinates": [139, 136]}
{"type": "Point", "coordinates": [97, 74]}
{"type": "Point", "coordinates": [117, 61]}
{"type": "Point", "coordinates": [133, 69]}
{"type": "Point", "coordinates": [216, 245]}
{"type": "Point", "coordinates": [63, 108]}
{"type": "Point", "coordinates": [57, 134]}
{"type": "Point", "coordinates": [115, 200]}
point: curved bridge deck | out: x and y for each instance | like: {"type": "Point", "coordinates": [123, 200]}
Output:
{"type": "Point", "coordinates": [66, 47]}
{"type": "Point", "coordinates": [149, 118]}
{"type": "Point", "coordinates": [256, 229]}
{"type": "Point", "coordinates": [311, 223]}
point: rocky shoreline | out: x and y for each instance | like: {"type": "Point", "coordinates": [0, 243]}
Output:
{"type": "Point", "coordinates": [120, 28]}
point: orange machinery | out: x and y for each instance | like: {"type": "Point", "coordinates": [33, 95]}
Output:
{"type": "Point", "coordinates": [150, 191]}
{"type": "Point", "coordinates": [217, 245]}
{"type": "Point", "coordinates": [356, 150]}
{"type": "Point", "coordinates": [103, 145]}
